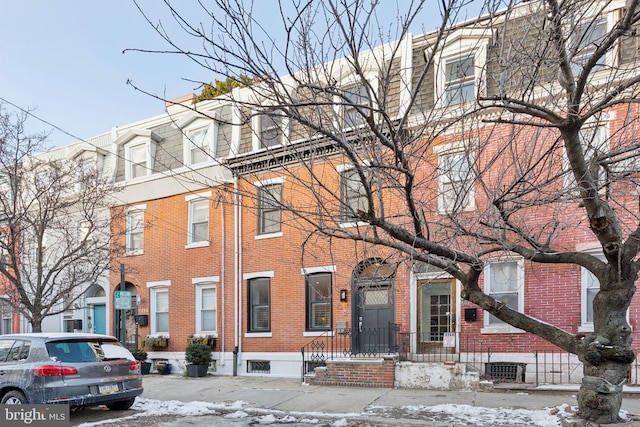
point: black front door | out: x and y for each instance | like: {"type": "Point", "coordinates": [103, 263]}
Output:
{"type": "Point", "coordinates": [374, 315]}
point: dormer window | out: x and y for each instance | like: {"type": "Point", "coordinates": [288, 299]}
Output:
{"type": "Point", "coordinates": [459, 80]}
{"type": "Point", "coordinates": [586, 37]}
{"type": "Point", "coordinates": [356, 106]}
{"type": "Point", "coordinates": [139, 152]}
{"type": "Point", "coordinates": [136, 156]}
{"type": "Point", "coordinates": [459, 66]}
{"type": "Point", "coordinates": [207, 136]}
{"type": "Point", "coordinates": [199, 143]}
{"type": "Point", "coordinates": [271, 132]}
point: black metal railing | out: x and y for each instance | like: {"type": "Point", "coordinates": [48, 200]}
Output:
{"type": "Point", "coordinates": [543, 366]}
{"type": "Point", "coordinates": [345, 343]}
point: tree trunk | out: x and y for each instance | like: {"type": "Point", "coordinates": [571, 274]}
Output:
{"type": "Point", "coordinates": [606, 354]}
{"type": "Point", "coordinates": [599, 399]}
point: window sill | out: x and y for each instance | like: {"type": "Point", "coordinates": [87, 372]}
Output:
{"type": "Point", "coordinates": [328, 333]}
{"type": "Point", "coordinates": [268, 235]}
{"type": "Point", "coordinates": [353, 224]}
{"type": "Point", "coordinates": [134, 253]}
{"type": "Point", "coordinates": [501, 330]}
{"type": "Point", "coordinates": [258, 335]}
{"type": "Point", "coordinates": [586, 328]}
{"type": "Point", "coordinates": [197, 245]}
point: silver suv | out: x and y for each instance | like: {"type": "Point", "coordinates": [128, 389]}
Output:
{"type": "Point", "coordinates": [69, 368]}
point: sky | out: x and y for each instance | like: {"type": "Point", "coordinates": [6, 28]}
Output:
{"type": "Point", "coordinates": [239, 413]}
{"type": "Point", "coordinates": [63, 60]}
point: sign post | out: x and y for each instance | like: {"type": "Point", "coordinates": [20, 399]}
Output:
{"type": "Point", "coordinates": [122, 311]}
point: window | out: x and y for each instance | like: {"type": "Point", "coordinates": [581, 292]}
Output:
{"type": "Point", "coordinates": [160, 310]}
{"type": "Point", "coordinates": [455, 186]}
{"type": "Point", "coordinates": [271, 130]}
{"type": "Point", "coordinates": [259, 300]}
{"type": "Point", "coordinates": [353, 196]}
{"type": "Point", "coordinates": [206, 309]}
{"type": "Point", "coordinates": [594, 143]}
{"type": "Point", "coordinates": [136, 156]}
{"type": "Point", "coordinates": [198, 221]}
{"type": "Point", "coordinates": [590, 287]}
{"type": "Point", "coordinates": [586, 37]}
{"type": "Point", "coordinates": [504, 281]}
{"type": "Point", "coordinates": [318, 290]}
{"type": "Point", "coordinates": [356, 97]}
{"type": "Point", "coordinates": [459, 80]}
{"type": "Point", "coordinates": [85, 237]}
{"type": "Point", "coordinates": [135, 232]}
{"type": "Point", "coordinates": [269, 208]}
{"type": "Point", "coordinates": [199, 141]}
{"type": "Point", "coordinates": [6, 327]}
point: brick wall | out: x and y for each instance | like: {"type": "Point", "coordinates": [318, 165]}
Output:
{"type": "Point", "coordinates": [356, 373]}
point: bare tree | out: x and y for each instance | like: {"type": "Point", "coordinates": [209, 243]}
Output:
{"type": "Point", "coordinates": [499, 153]}
{"type": "Point", "coordinates": [54, 233]}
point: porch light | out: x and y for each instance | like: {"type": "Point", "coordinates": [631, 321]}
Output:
{"type": "Point", "coordinates": [343, 295]}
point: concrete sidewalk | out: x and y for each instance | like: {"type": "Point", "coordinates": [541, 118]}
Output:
{"type": "Point", "coordinates": [289, 395]}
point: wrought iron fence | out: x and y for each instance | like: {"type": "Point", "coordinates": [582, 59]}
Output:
{"type": "Point", "coordinates": [346, 343]}
{"type": "Point", "coordinates": [536, 366]}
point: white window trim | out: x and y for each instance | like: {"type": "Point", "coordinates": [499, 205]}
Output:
{"type": "Point", "coordinates": [256, 124]}
{"type": "Point", "coordinates": [191, 198]}
{"type": "Point", "coordinates": [506, 328]}
{"type": "Point", "coordinates": [459, 44]}
{"type": "Point", "coordinates": [586, 326]}
{"type": "Point", "coordinates": [209, 142]}
{"type": "Point", "coordinates": [370, 76]}
{"type": "Point", "coordinates": [569, 180]}
{"type": "Point", "coordinates": [312, 270]}
{"type": "Point", "coordinates": [455, 148]}
{"type": "Point", "coordinates": [340, 169]}
{"type": "Point", "coordinates": [130, 210]}
{"type": "Point", "coordinates": [155, 287]}
{"type": "Point", "coordinates": [247, 276]}
{"type": "Point", "coordinates": [610, 13]}
{"type": "Point", "coordinates": [201, 285]}
{"type": "Point", "coordinates": [150, 145]}
{"type": "Point", "coordinates": [263, 183]}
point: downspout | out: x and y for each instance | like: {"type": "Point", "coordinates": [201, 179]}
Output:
{"type": "Point", "coordinates": [222, 274]}
{"type": "Point", "coordinates": [237, 215]}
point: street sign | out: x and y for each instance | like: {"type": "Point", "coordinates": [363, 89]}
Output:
{"type": "Point", "coordinates": [122, 300]}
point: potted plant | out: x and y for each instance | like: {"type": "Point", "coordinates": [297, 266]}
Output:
{"type": "Point", "coordinates": [198, 357]}
{"type": "Point", "coordinates": [163, 367]}
{"type": "Point", "coordinates": [141, 356]}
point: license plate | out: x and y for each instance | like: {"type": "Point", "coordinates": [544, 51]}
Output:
{"type": "Point", "coordinates": [108, 388]}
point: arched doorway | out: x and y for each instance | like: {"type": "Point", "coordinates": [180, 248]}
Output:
{"type": "Point", "coordinates": [128, 327]}
{"type": "Point", "coordinates": [373, 307]}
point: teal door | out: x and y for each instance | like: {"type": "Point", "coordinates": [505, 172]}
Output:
{"type": "Point", "coordinates": [100, 319]}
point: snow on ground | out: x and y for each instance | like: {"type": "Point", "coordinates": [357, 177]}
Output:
{"type": "Point", "coordinates": [464, 415]}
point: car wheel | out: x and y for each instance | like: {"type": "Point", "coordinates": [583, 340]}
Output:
{"type": "Point", "coordinates": [121, 405]}
{"type": "Point", "coordinates": [14, 397]}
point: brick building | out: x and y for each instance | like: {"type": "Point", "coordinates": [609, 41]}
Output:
{"type": "Point", "coordinates": [219, 200]}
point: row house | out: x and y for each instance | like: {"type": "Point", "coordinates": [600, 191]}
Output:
{"type": "Point", "coordinates": [218, 201]}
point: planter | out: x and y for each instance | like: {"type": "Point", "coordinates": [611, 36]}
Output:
{"type": "Point", "coordinates": [163, 368]}
{"type": "Point", "coordinates": [197, 370]}
{"type": "Point", "coordinates": [145, 368]}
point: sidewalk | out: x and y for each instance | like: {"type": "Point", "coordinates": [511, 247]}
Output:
{"type": "Point", "coordinates": [290, 396]}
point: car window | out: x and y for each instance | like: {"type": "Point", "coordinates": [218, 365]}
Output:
{"type": "Point", "coordinates": [5, 348]}
{"type": "Point", "coordinates": [74, 351]}
{"type": "Point", "coordinates": [116, 351]}
{"type": "Point", "coordinates": [86, 351]}
{"type": "Point", "coordinates": [19, 351]}
{"type": "Point", "coordinates": [13, 350]}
